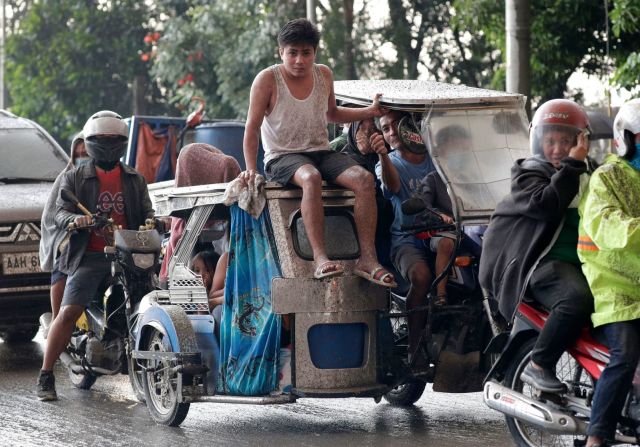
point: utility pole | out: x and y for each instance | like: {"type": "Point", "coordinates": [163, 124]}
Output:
{"type": "Point", "coordinates": [518, 32]}
{"type": "Point", "coordinates": [2, 41]}
{"type": "Point", "coordinates": [311, 11]}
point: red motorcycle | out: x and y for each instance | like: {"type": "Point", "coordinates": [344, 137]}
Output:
{"type": "Point", "coordinates": [537, 418]}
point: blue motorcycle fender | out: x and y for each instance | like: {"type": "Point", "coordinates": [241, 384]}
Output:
{"type": "Point", "coordinates": [208, 346]}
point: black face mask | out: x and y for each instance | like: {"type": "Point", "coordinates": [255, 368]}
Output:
{"type": "Point", "coordinates": [106, 150]}
{"type": "Point", "coordinates": [106, 165]}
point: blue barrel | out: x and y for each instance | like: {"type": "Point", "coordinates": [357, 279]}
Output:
{"type": "Point", "coordinates": [226, 136]}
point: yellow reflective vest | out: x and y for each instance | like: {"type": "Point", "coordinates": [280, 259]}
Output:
{"type": "Point", "coordinates": [609, 241]}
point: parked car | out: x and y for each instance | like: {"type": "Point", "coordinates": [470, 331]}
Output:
{"type": "Point", "coordinates": [31, 160]}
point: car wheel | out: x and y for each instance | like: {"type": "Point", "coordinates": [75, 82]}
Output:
{"type": "Point", "coordinates": [16, 336]}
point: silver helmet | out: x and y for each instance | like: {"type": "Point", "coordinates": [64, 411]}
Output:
{"type": "Point", "coordinates": [105, 135]}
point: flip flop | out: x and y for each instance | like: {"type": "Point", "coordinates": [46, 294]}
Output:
{"type": "Point", "coordinates": [322, 272]}
{"type": "Point", "coordinates": [377, 276]}
{"type": "Point", "coordinates": [441, 300]}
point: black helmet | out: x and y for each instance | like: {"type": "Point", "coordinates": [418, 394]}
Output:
{"type": "Point", "coordinates": [105, 136]}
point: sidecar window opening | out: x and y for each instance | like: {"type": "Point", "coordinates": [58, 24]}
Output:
{"type": "Point", "coordinates": [341, 238]}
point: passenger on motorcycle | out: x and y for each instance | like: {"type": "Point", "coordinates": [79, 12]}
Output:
{"type": "Point", "coordinates": [52, 238]}
{"type": "Point", "coordinates": [101, 184]}
{"type": "Point", "coordinates": [530, 245]}
{"type": "Point", "coordinates": [400, 171]}
{"type": "Point", "coordinates": [609, 247]}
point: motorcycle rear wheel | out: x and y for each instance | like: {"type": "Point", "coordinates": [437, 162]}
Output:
{"type": "Point", "coordinates": [568, 371]}
{"type": "Point", "coordinates": [83, 380]}
{"type": "Point", "coordinates": [406, 394]}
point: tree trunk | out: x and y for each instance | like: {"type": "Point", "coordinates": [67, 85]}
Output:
{"type": "Point", "coordinates": [349, 54]}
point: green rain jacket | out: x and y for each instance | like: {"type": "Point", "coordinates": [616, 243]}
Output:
{"type": "Point", "coordinates": [609, 241]}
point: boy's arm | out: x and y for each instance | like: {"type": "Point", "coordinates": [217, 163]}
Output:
{"type": "Point", "coordinates": [603, 217]}
{"type": "Point", "coordinates": [66, 211]}
{"type": "Point", "coordinates": [259, 99]}
{"type": "Point", "coordinates": [336, 114]}
{"type": "Point", "coordinates": [385, 170]}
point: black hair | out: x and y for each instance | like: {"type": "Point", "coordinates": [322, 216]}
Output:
{"type": "Point", "coordinates": [209, 257]}
{"type": "Point", "coordinates": [450, 133]}
{"type": "Point", "coordinates": [398, 113]}
{"type": "Point", "coordinates": [299, 31]}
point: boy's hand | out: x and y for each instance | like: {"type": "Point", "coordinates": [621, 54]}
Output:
{"type": "Point", "coordinates": [376, 108]}
{"type": "Point", "coordinates": [377, 144]}
{"type": "Point", "coordinates": [248, 176]}
{"type": "Point", "coordinates": [83, 221]}
{"type": "Point", "coordinates": [581, 149]}
{"type": "Point", "coordinates": [446, 218]}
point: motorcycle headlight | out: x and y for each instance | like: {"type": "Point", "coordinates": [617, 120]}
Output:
{"type": "Point", "coordinates": [143, 261]}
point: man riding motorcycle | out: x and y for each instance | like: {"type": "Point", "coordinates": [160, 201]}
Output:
{"type": "Point", "coordinates": [106, 185]}
{"type": "Point", "coordinates": [608, 246]}
{"type": "Point", "coordinates": [539, 218]}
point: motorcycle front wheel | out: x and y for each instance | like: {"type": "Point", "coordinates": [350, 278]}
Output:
{"type": "Point", "coordinates": [568, 371]}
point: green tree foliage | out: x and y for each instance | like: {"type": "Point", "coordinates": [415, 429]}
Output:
{"type": "Point", "coordinates": [565, 36]}
{"type": "Point", "coordinates": [215, 49]}
{"type": "Point", "coordinates": [431, 34]}
{"type": "Point", "coordinates": [70, 58]}
{"type": "Point", "coordinates": [626, 29]}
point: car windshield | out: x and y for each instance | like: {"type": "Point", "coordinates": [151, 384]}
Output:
{"type": "Point", "coordinates": [476, 149]}
{"type": "Point", "coordinates": [28, 154]}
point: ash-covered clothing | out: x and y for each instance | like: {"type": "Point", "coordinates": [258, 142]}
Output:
{"type": "Point", "coordinates": [530, 218]}
{"type": "Point", "coordinates": [296, 125]}
{"type": "Point", "coordinates": [609, 241]}
{"type": "Point", "coordinates": [410, 176]}
{"type": "Point", "coordinates": [433, 192]}
{"type": "Point", "coordinates": [83, 182]}
{"type": "Point", "coordinates": [110, 200]}
{"type": "Point", "coordinates": [50, 235]}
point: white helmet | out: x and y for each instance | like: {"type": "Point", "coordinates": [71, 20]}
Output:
{"type": "Point", "coordinates": [105, 136]}
{"type": "Point", "coordinates": [105, 122]}
{"type": "Point", "coordinates": [625, 126]}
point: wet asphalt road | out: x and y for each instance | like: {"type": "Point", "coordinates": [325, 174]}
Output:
{"type": "Point", "coordinates": [108, 416]}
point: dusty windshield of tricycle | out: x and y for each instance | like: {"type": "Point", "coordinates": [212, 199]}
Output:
{"type": "Point", "coordinates": [474, 150]}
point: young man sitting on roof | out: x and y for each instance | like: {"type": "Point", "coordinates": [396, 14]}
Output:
{"type": "Point", "coordinates": [290, 104]}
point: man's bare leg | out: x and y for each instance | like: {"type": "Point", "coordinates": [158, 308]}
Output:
{"type": "Point", "coordinates": [57, 290]}
{"type": "Point", "coordinates": [309, 179]}
{"type": "Point", "coordinates": [420, 278]}
{"type": "Point", "coordinates": [59, 334]}
{"type": "Point", "coordinates": [443, 256]}
{"type": "Point", "coordinates": [361, 182]}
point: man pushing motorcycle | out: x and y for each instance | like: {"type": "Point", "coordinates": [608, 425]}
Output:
{"type": "Point", "coordinates": [106, 185]}
{"type": "Point", "coordinates": [609, 247]}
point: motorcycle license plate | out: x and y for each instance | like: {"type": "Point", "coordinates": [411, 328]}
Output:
{"type": "Point", "coordinates": [20, 263]}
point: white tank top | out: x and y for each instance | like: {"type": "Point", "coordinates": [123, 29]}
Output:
{"type": "Point", "coordinates": [296, 125]}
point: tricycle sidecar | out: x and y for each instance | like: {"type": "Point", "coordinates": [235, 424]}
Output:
{"type": "Point", "coordinates": [345, 333]}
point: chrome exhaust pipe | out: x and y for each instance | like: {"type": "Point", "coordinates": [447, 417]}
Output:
{"type": "Point", "coordinates": [531, 411]}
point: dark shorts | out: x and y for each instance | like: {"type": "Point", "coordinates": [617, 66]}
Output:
{"type": "Point", "coordinates": [406, 255]}
{"type": "Point", "coordinates": [82, 285]}
{"type": "Point", "coordinates": [57, 276]}
{"type": "Point", "coordinates": [330, 164]}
